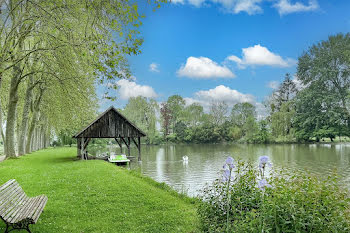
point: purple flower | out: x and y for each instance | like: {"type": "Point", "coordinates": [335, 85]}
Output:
{"type": "Point", "coordinates": [226, 175]}
{"type": "Point", "coordinates": [229, 160]}
{"type": "Point", "coordinates": [263, 161]}
{"type": "Point", "coordinates": [263, 183]}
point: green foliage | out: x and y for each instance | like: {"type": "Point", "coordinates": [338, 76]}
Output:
{"type": "Point", "coordinates": [282, 120]}
{"type": "Point", "coordinates": [294, 203]}
{"type": "Point", "coordinates": [322, 107]}
{"type": "Point", "coordinates": [241, 112]}
{"type": "Point", "coordinates": [142, 112]}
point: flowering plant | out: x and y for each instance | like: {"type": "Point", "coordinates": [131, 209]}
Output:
{"type": "Point", "coordinates": [251, 199]}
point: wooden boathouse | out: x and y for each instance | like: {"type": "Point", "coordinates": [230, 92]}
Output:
{"type": "Point", "coordinates": [110, 124]}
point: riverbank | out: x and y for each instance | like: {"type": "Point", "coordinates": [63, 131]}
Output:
{"type": "Point", "coordinates": [272, 142]}
{"type": "Point", "coordinates": [95, 196]}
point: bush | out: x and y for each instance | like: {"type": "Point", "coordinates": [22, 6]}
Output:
{"type": "Point", "coordinates": [247, 202]}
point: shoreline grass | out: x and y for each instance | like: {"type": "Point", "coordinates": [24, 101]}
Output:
{"type": "Point", "coordinates": [95, 196]}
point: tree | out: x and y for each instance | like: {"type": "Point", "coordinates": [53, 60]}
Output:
{"type": "Point", "coordinates": [59, 40]}
{"type": "Point", "coordinates": [166, 118]}
{"type": "Point", "coordinates": [285, 92]}
{"type": "Point", "coordinates": [323, 106]}
{"type": "Point", "coordinates": [218, 112]}
{"type": "Point", "coordinates": [241, 112]}
{"type": "Point", "coordinates": [282, 120]}
{"type": "Point", "coordinates": [142, 112]}
{"type": "Point", "coordinates": [193, 115]}
{"type": "Point", "coordinates": [176, 105]}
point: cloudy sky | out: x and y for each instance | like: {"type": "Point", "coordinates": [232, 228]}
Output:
{"type": "Point", "coordinates": [226, 50]}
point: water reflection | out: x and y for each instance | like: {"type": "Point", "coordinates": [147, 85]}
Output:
{"type": "Point", "coordinates": [165, 163]}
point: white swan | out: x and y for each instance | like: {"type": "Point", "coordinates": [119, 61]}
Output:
{"type": "Point", "coordinates": [185, 158]}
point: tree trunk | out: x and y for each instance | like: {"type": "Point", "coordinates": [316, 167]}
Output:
{"type": "Point", "coordinates": [25, 119]}
{"type": "Point", "coordinates": [30, 135]}
{"type": "Point", "coordinates": [2, 136]}
{"type": "Point", "coordinates": [11, 113]}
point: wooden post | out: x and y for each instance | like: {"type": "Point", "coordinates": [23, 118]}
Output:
{"type": "Point", "coordinates": [78, 147]}
{"type": "Point", "coordinates": [139, 148]}
{"type": "Point", "coordinates": [138, 145]}
{"type": "Point", "coordinates": [82, 148]}
{"type": "Point", "coordinates": [129, 142]}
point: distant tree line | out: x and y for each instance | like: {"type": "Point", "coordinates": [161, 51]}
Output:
{"type": "Point", "coordinates": [312, 105]}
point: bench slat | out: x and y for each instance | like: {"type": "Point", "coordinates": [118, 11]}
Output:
{"type": "Point", "coordinates": [7, 184]}
{"type": "Point", "coordinates": [15, 206]}
{"type": "Point", "coordinates": [11, 199]}
{"type": "Point", "coordinates": [12, 208]}
{"type": "Point", "coordinates": [17, 209]}
{"type": "Point", "coordinates": [7, 192]}
{"type": "Point", "coordinates": [23, 213]}
{"type": "Point", "coordinates": [40, 209]}
{"type": "Point", "coordinates": [9, 187]}
{"type": "Point", "coordinates": [28, 210]}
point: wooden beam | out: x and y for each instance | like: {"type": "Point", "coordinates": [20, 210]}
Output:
{"type": "Point", "coordinates": [136, 144]}
{"type": "Point", "coordinates": [127, 145]}
{"type": "Point", "coordinates": [120, 145]}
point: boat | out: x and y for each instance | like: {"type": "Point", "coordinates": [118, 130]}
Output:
{"type": "Point", "coordinates": [113, 158]}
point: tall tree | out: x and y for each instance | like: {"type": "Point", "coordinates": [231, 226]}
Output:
{"type": "Point", "coordinates": [142, 111]}
{"type": "Point", "coordinates": [285, 92]}
{"type": "Point", "coordinates": [324, 69]}
{"type": "Point", "coordinates": [218, 112]}
{"type": "Point", "coordinates": [176, 105]}
{"type": "Point", "coordinates": [241, 112]}
{"type": "Point", "coordinates": [166, 118]}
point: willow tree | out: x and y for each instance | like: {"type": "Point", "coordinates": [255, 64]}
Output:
{"type": "Point", "coordinates": [99, 33]}
{"type": "Point", "coordinates": [143, 112]}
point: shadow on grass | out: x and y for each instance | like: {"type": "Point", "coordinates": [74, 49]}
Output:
{"type": "Point", "coordinates": [64, 159]}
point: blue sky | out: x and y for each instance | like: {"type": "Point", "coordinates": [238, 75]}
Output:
{"type": "Point", "coordinates": [226, 50]}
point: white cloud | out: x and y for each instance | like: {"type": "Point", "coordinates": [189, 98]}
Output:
{"type": "Point", "coordinates": [128, 89]}
{"type": "Point", "coordinates": [298, 83]}
{"type": "Point", "coordinates": [261, 56]}
{"type": "Point", "coordinates": [204, 68]}
{"type": "Point", "coordinates": [286, 7]}
{"type": "Point", "coordinates": [232, 6]}
{"type": "Point", "coordinates": [178, 1]}
{"type": "Point", "coordinates": [196, 3]}
{"type": "Point", "coordinates": [220, 93]}
{"type": "Point", "coordinates": [273, 84]}
{"type": "Point", "coordinates": [154, 67]}
{"type": "Point", "coordinates": [225, 94]}
{"type": "Point", "coordinates": [252, 7]}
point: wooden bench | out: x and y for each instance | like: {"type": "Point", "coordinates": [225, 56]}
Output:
{"type": "Point", "coordinates": [16, 209]}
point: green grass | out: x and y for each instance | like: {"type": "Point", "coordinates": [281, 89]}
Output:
{"type": "Point", "coordinates": [95, 196]}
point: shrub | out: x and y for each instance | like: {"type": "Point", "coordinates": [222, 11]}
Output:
{"type": "Point", "coordinates": [244, 201]}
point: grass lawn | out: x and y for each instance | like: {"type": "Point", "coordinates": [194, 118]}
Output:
{"type": "Point", "coordinates": [95, 196]}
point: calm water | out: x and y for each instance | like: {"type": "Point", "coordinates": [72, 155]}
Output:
{"type": "Point", "coordinates": [164, 163]}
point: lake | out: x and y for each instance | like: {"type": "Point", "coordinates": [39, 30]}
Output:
{"type": "Point", "coordinates": [164, 163]}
